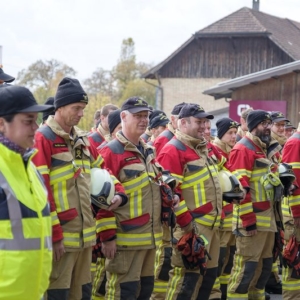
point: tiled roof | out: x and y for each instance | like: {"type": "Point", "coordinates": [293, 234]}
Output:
{"type": "Point", "coordinates": [285, 33]}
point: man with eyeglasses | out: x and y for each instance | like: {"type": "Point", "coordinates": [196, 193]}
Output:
{"type": "Point", "coordinates": [277, 129]}
{"type": "Point", "coordinates": [255, 163]}
{"type": "Point", "coordinates": [131, 234]}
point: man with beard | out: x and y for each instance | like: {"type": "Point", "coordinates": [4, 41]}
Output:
{"type": "Point", "coordinates": [254, 161]}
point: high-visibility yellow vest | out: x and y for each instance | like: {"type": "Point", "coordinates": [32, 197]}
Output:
{"type": "Point", "coordinates": [25, 229]}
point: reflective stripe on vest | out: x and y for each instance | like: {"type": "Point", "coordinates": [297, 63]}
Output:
{"type": "Point", "coordinates": [18, 242]}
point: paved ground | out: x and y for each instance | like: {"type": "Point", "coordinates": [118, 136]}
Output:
{"type": "Point", "coordinates": [276, 297]}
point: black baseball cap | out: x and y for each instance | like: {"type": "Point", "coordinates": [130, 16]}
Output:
{"type": "Point", "coordinates": [278, 116]}
{"type": "Point", "coordinates": [135, 104]}
{"type": "Point", "coordinates": [18, 99]}
{"type": "Point", "coordinates": [288, 125]}
{"type": "Point", "coordinates": [46, 114]}
{"type": "Point", "coordinates": [194, 110]}
{"type": "Point", "coordinates": [177, 108]}
{"type": "Point", "coordinates": [5, 77]}
{"type": "Point", "coordinates": [160, 120]}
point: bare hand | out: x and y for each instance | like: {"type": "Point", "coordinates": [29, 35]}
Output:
{"type": "Point", "coordinates": [291, 189]}
{"type": "Point", "coordinates": [297, 222]}
{"type": "Point", "coordinates": [116, 201]}
{"type": "Point", "coordinates": [109, 249]}
{"type": "Point", "coordinates": [252, 232]}
{"type": "Point", "coordinates": [58, 250]}
{"type": "Point", "coordinates": [176, 200]}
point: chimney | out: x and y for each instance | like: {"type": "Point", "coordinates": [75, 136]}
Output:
{"type": "Point", "coordinates": [255, 5]}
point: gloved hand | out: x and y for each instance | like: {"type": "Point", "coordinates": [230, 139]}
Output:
{"type": "Point", "coordinates": [290, 255]}
{"type": "Point", "coordinates": [96, 251]}
{"type": "Point", "coordinates": [192, 248]}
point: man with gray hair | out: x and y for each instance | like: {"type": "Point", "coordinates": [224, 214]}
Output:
{"type": "Point", "coordinates": [130, 235]}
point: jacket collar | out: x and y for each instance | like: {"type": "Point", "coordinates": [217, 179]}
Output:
{"type": "Point", "coordinates": [196, 144]}
{"type": "Point", "coordinates": [56, 128]}
{"type": "Point", "coordinates": [223, 146]}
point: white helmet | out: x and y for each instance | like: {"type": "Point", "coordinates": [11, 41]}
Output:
{"type": "Point", "coordinates": [102, 188]}
{"type": "Point", "coordinates": [169, 180]}
{"type": "Point", "coordinates": [231, 187]}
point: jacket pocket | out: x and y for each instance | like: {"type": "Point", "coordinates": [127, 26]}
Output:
{"type": "Point", "coordinates": [246, 246]}
{"type": "Point", "coordinates": [120, 263]}
{"type": "Point", "coordinates": [67, 215]}
{"type": "Point", "coordinates": [202, 210]}
{"type": "Point", "coordinates": [134, 223]}
{"type": "Point", "coordinates": [261, 206]}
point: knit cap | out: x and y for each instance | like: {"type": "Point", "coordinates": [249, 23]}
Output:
{"type": "Point", "coordinates": [114, 119]}
{"type": "Point", "coordinates": [224, 124]}
{"type": "Point", "coordinates": [255, 117]}
{"type": "Point", "coordinates": [69, 91]}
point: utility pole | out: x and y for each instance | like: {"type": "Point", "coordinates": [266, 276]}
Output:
{"type": "Point", "coordinates": [255, 5]}
{"type": "Point", "coordinates": [0, 55]}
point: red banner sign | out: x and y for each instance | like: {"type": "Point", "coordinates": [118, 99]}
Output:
{"type": "Point", "coordinates": [236, 107]}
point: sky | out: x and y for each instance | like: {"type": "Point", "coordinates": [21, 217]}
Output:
{"type": "Point", "coordinates": [87, 34]}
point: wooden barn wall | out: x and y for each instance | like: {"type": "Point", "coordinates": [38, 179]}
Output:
{"type": "Point", "coordinates": [224, 58]}
{"type": "Point", "coordinates": [283, 88]}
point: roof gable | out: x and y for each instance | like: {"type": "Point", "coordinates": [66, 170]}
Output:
{"type": "Point", "coordinates": [245, 22]}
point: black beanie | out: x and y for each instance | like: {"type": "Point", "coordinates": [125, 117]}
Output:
{"type": "Point", "coordinates": [46, 114]}
{"type": "Point", "coordinates": [224, 124]}
{"type": "Point", "coordinates": [255, 117]}
{"type": "Point", "coordinates": [69, 91]}
{"type": "Point", "coordinates": [114, 119]}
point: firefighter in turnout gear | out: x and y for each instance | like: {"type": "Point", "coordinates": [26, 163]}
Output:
{"type": "Point", "coordinates": [254, 160]}
{"type": "Point", "coordinates": [130, 235]}
{"type": "Point", "coordinates": [25, 222]}
{"type": "Point", "coordinates": [65, 159]}
{"type": "Point", "coordinates": [291, 216]}
{"type": "Point", "coordinates": [97, 137]}
{"type": "Point", "coordinates": [199, 211]}
{"type": "Point", "coordinates": [164, 251]}
{"type": "Point", "coordinates": [225, 140]}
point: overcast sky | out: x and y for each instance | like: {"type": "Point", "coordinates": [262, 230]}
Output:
{"type": "Point", "coordinates": [88, 34]}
